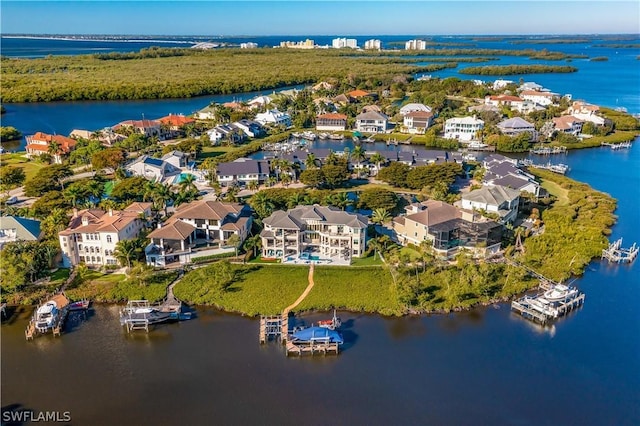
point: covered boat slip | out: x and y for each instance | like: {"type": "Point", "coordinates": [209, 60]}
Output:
{"type": "Point", "coordinates": [49, 316]}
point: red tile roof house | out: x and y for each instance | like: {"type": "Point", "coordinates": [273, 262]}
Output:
{"type": "Point", "coordinates": [331, 121]}
{"type": "Point", "coordinates": [148, 128]}
{"type": "Point", "coordinates": [173, 125]}
{"type": "Point", "coordinates": [358, 94]}
{"type": "Point", "coordinates": [38, 144]}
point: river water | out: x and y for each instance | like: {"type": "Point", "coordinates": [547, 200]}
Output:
{"type": "Point", "coordinates": [486, 366]}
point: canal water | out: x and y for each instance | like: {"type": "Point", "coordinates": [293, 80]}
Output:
{"type": "Point", "coordinates": [486, 366]}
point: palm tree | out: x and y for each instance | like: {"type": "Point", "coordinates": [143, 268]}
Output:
{"type": "Point", "coordinates": [253, 243]}
{"type": "Point", "coordinates": [295, 200]}
{"type": "Point", "coordinates": [163, 194]}
{"type": "Point", "coordinates": [188, 183]}
{"type": "Point", "coordinates": [285, 179]}
{"type": "Point", "coordinates": [380, 216]}
{"type": "Point", "coordinates": [378, 159]}
{"type": "Point", "coordinates": [232, 194]}
{"type": "Point", "coordinates": [271, 181]}
{"type": "Point", "coordinates": [332, 158]}
{"type": "Point", "coordinates": [341, 199]}
{"type": "Point", "coordinates": [56, 221]}
{"type": "Point", "coordinates": [252, 185]}
{"type": "Point", "coordinates": [358, 154]}
{"type": "Point", "coordinates": [262, 204]}
{"type": "Point", "coordinates": [311, 161]}
{"type": "Point", "coordinates": [149, 191]}
{"type": "Point", "coordinates": [53, 149]}
{"type": "Point", "coordinates": [127, 251]}
{"type": "Point", "coordinates": [234, 241]}
{"type": "Point", "coordinates": [73, 193]}
{"type": "Point", "coordinates": [120, 173]}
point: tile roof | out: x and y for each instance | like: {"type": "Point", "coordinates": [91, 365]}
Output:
{"type": "Point", "coordinates": [296, 218]}
{"type": "Point", "coordinates": [565, 122]}
{"type": "Point", "coordinates": [204, 209]}
{"type": "Point", "coordinates": [492, 195]}
{"type": "Point", "coordinates": [242, 166]}
{"type": "Point", "coordinates": [176, 120]}
{"type": "Point", "coordinates": [514, 123]}
{"type": "Point", "coordinates": [358, 93]}
{"type": "Point", "coordinates": [173, 229]}
{"type": "Point", "coordinates": [101, 221]}
{"type": "Point", "coordinates": [371, 115]}
{"type": "Point", "coordinates": [419, 114]}
{"type": "Point", "coordinates": [503, 98]}
{"type": "Point", "coordinates": [332, 116]}
{"type": "Point", "coordinates": [536, 93]}
{"type": "Point", "coordinates": [40, 140]}
{"type": "Point", "coordinates": [434, 213]}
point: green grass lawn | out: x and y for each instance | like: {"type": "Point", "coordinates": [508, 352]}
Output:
{"type": "Point", "coordinates": [556, 190]}
{"type": "Point", "coordinates": [59, 277]}
{"type": "Point", "coordinates": [20, 160]}
{"type": "Point", "coordinates": [367, 261]}
{"type": "Point", "coordinates": [116, 288]}
{"type": "Point", "coordinates": [355, 289]}
{"type": "Point", "coordinates": [256, 289]}
{"type": "Point", "coordinates": [214, 151]}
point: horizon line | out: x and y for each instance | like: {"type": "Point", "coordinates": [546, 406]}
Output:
{"type": "Point", "coordinates": [319, 35]}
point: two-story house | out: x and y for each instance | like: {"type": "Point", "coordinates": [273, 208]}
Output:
{"type": "Point", "coordinates": [41, 143]}
{"type": "Point", "coordinates": [148, 128]}
{"type": "Point", "coordinates": [242, 171]}
{"type": "Point", "coordinates": [92, 234]}
{"type": "Point", "coordinates": [308, 231]}
{"type": "Point", "coordinates": [568, 124]}
{"type": "Point", "coordinates": [151, 168]}
{"type": "Point", "coordinates": [211, 222]}
{"type": "Point", "coordinates": [516, 126]}
{"type": "Point", "coordinates": [274, 117]}
{"type": "Point", "coordinates": [496, 199]}
{"type": "Point", "coordinates": [15, 228]}
{"type": "Point", "coordinates": [173, 125]}
{"type": "Point", "coordinates": [464, 129]}
{"type": "Point", "coordinates": [371, 122]}
{"type": "Point", "coordinates": [417, 122]}
{"type": "Point", "coordinates": [331, 121]}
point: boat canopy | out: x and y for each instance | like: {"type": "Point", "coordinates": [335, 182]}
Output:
{"type": "Point", "coordinates": [315, 334]}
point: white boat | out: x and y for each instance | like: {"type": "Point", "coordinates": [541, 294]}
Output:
{"type": "Point", "coordinates": [323, 135]}
{"type": "Point", "coordinates": [309, 136]}
{"type": "Point", "coordinates": [50, 313]}
{"type": "Point", "coordinates": [477, 145]}
{"type": "Point", "coordinates": [336, 136]}
{"type": "Point", "coordinates": [560, 293]}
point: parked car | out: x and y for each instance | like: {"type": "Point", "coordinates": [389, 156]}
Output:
{"type": "Point", "coordinates": [12, 200]}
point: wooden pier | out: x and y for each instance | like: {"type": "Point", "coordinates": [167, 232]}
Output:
{"type": "Point", "coordinates": [548, 150]}
{"type": "Point", "coordinates": [616, 254]}
{"type": "Point", "coordinates": [312, 348]}
{"type": "Point", "coordinates": [271, 327]}
{"type": "Point", "coordinates": [56, 329]}
{"type": "Point", "coordinates": [616, 146]}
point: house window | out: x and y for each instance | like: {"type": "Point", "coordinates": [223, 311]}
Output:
{"type": "Point", "coordinates": [86, 249]}
{"type": "Point", "coordinates": [81, 258]}
{"type": "Point", "coordinates": [98, 259]}
{"type": "Point", "coordinates": [108, 238]}
{"type": "Point", "coordinates": [93, 259]}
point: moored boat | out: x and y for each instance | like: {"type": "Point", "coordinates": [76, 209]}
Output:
{"type": "Point", "coordinates": [317, 335]}
{"type": "Point", "coordinates": [332, 323]}
{"type": "Point", "coordinates": [50, 313]}
{"type": "Point", "coordinates": [79, 305]}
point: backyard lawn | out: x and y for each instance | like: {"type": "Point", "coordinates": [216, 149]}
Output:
{"type": "Point", "coordinates": [19, 159]}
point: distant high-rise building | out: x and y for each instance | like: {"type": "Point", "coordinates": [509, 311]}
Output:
{"type": "Point", "coordinates": [339, 43]}
{"type": "Point", "coordinates": [248, 45]}
{"type": "Point", "coordinates": [415, 45]}
{"type": "Point", "coordinates": [373, 44]}
{"type": "Point", "coordinates": [307, 44]}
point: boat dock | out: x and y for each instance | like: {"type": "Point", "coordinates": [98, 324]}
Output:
{"type": "Point", "coordinates": [556, 168]}
{"type": "Point", "coordinates": [312, 348]}
{"type": "Point", "coordinates": [616, 254]}
{"type": "Point", "coordinates": [616, 146]}
{"type": "Point", "coordinates": [271, 328]}
{"type": "Point", "coordinates": [62, 303]}
{"type": "Point", "coordinates": [556, 302]}
{"type": "Point", "coordinates": [548, 150]}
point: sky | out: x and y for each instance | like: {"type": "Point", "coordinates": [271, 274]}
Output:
{"type": "Point", "coordinates": [347, 17]}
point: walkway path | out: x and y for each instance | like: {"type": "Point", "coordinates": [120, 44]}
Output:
{"type": "Point", "coordinates": [285, 312]}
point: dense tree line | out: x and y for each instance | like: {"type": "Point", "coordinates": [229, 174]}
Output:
{"type": "Point", "coordinates": [517, 69]}
{"type": "Point", "coordinates": [404, 176]}
{"type": "Point", "coordinates": [8, 133]}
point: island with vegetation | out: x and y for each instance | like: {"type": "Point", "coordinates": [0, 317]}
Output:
{"type": "Point", "coordinates": [517, 69]}
{"type": "Point", "coordinates": [8, 133]}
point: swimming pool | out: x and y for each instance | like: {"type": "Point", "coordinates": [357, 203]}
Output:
{"type": "Point", "coordinates": [181, 177]}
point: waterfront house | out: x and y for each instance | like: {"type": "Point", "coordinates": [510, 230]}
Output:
{"type": "Point", "coordinates": [197, 229]}
{"type": "Point", "coordinates": [540, 98]}
{"type": "Point", "coordinates": [586, 112]}
{"type": "Point", "coordinates": [323, 85]}
{"type": "Point", "coordinates": [501, 84]}
{"type": "Point", "coordinates": [259, 102]}
{"type": "Point", "coordinates": [173, 125]}
{"type": "Point", "coordinates": [331, 122]}
{"type": "Point", "coordinates": [15, 228]}
{"type": "Point", "coordinates": [417, 122]}
{"type": "Point", "coordinates": [326, 232]}
{"type": "Point", "coordinates": [148, 128]}
{"type": "Point", "coordinates": [92, 234]}
{"type": "Point", "coordinates": [464, 129]}
{"type": "Point", "coordinates": [516, 126]}
{"type": "Point", "coordinates": [442, 226]}
{"type": "Point", "coordinates": [242, 171]}
{"type": "Point", "coordinates": [274, 117]}
{"type": "Point", "coordinates": [251, 128]}
{"type": "Point", "coordinates": [151, 168]}
{"type": "Point", "coordinates": [342, 99]}
{"type": "Point", "coordinates": [496, 199]}
{"type": "Point", "coordinates": [40, 143]}
{"type": "Point", "coordinates": [413, 107]}
{"type": "Point", "coordinates": [504, 171]}
{"type": "Point", "coordinates": [568, 124]}
{"type": "Point", "coordinates": [207, 113]}
{"type": "Point", "coordinates": [371, 122]}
